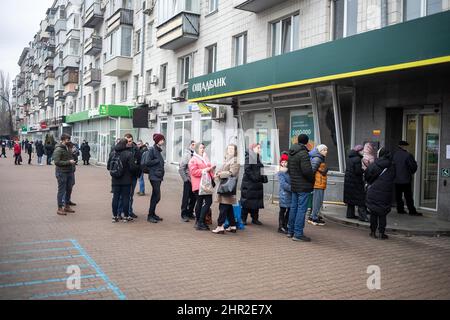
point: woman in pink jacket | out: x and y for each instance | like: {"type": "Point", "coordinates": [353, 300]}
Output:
{"type": "Point", "coordinates": [199, 164]}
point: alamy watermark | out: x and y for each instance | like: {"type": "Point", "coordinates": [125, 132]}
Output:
{"type": "Point", "coordinates": [374, 280]}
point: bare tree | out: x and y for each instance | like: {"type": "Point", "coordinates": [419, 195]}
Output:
{"type": "Point", "coordinates": [6, 125]}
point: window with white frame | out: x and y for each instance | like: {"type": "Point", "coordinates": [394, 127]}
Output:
{"type": "Point", "coordinates": [137, 41]}
{"type": "Point", "coordinates": [181, 136]}
{"type": "Point", "coordinates": [120, 42]}
{"type": "Point", "coordinates": [211, 59]}
{"type": "Point", "coordinates": [345, 18]}
{"type": "Point", "coordinates": [136, 86]}
{"type": "Point", "coordinates": [74, 47]}
{"type": "Point", "coordinates": [123, 90]}
{"type": "Point", "coordinates": [213, 5]}
{"type": "Point", "coordinates": [413, 9]}
{"type": "Point", "coordinates": [285, 34]}
{"type": "Point", "coordinates": [163, 77]}
{"type": "Point", "coordinates": [148, 82]}
{"type": "Point", "coordinates": [167, 9]}
{"type": "Point", "coordinates": [185, 68]}
{"type": "Point", "coordinates": [163, 129]}
{"type": "Point", "coordinates": [240, 49]}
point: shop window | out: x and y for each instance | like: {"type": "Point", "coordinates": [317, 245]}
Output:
{"type": "Point", "coordinates": [163, 131]}
{"type": "Point", "coordinates": [345, 99]}
{"type": "Point", "coordinates": [181, 136]}
{"type": "Point", "coordinates": [259, 128]}
{"type": "Point", "coordinates": [327, 125]}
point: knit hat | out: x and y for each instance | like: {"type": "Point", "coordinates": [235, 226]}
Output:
{"type": "Point", "coordinates": [157, 137]}
{"type": "Point", "coordinates": [284, 157]}
{"type": "Point", "coordinates": [321, 147]}
{"type": "Point", "coordinates": [303, 139]}
{"type": "Point", "coordinates": [358, 148]}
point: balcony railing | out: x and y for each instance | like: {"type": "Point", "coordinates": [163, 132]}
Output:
{"type": "Point", "coordinates": [121, 16]}
{"type": "Point", "coordinates": [92, 77]}
{"type": "Point", "coordinates": [94, 15]}
{"type": "Point", "coordinates": [180, 30]}
{"type": "Point", "coordinates": [93, 45]}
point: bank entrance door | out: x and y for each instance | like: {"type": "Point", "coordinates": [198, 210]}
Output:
{"type": "Point", "coordinates": [422, 131]}
{"type": "Point", "coordinates": [103, 151]}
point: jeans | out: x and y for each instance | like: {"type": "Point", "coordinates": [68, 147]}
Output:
{"type": "Point", "coordinates": [49, 160]}
{"type": "Point", "coordinates": [39, 160]}
{"type": "Point", "coordinates": [203, 205]}
{"type": "Point", "coordinates": [188, 201]}
{"type": "Point", "coordinates": [65, 184]}
{"type": "Point", "coordinates": [130, 196]}
{"type": "Point", "coordinates": [406, 189]}
{"type": "Point", "coordinates": [299, 205]}
{"type": "Point", "coordinates": [141, 183]}
{"type": "Point", "coordinates": [226, 212]}
{"type": "Point", "coordinates": [156, 196]}
{"type": "Point", "coordinates": [317, 203]}
{"type": "Point", "coordinates": [121, 191]}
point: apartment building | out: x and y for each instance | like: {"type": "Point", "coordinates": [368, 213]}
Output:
{"type": "Point", "coordinates": [220, 71]}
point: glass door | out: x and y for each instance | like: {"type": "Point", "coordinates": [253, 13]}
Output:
{"type": "Point", "coordinates": [103, 150]}
{"type": "Point", "coordinates": [429, 161]}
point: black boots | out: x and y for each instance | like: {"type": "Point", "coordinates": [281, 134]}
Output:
{"type": "Point", "coordinates": [351, 212]}
{"type": "Point", "coordinates": [382, 236]}
{"type": "Point", "coordinates": [373, 235]}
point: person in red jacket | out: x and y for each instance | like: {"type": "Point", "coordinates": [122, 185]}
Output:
{"type": "Point", "coordinates": [17, 154]}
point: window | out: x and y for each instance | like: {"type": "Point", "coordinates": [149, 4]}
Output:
{"type": "Point", "coordinates": [163, 77]}
{"type": "Point", "coordinates": [127, 4]}
{"type": "Point", "coordinates": [170, 8]}
{"type": "Point", "coordinates": [185, 69]}
{"type": "Point", "coordinates": [113, 94]}
{"type": "Point", "coordinates": [413, 9]}
{"type": "Point", "coordinates": [126, 41]}
{"type": "Point", "coordinates": [104, 96]}
{"type": "Point", "coordinates": [240, 49]}
{"type": "Point", "coordinates": [74, 47]}
{"type": "Point", "coordinates": [96, 99]}
{"type": "Point", "coordinates": [163, 131]}
{"type": "Point", "coordinates": [211, 59]}
{"type": "Point", "coordinates": [345, 18]}
{"type": "Point", "coordinates": [285, 35]}
{"type": "Point", "coordinates": [137, 41]}
{"type": "Point", "coordinates": [345, 101]}
{"type": "Point", "coordinates": [258, 128]}
{"type": "Point", "coordinates": [120, 42]}
{"type": "Point", "coordinates": [84, 102]}
{"type": "Point", "coordinates": [182, 136]}
{"type": "Point", "coordinates": [206, 132]}
{"type": "Point", "coordinates": [123, 90]}
{"type": "Point", "coordinates": [150, 34]}
{"type": "Point", "coordinates": [213, 5]}
{"type": "Point", "coordinates": [148, 84]}
{"type": "Point", "coordinates": [136, 87]}
{"type": "Point", "coordinates": [89, 101]}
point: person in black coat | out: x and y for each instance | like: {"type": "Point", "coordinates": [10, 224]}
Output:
{"type": "Point", "coordinates": [252, 190]}
{"type": "Point", "coordinates": [39, 151]}
{"type": "Point", "coordinates": [49, 149]}
{"type": "Point", "coordinates": [380, 177]}
{"type": "Point", "coordinates": [354, 190]}
{"type": "Point", "coordinates": [121, 186]}
{"type": "Point", "coordinates": [85, 152]}
{"type": "Point", "coordinates": [406, 166]}
{"type": "Point", "coordinates": [29, 149]}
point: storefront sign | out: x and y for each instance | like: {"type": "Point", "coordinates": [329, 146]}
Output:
{"type": "Point", "coordinates": [206, 86]}
{"type": "Point", "coordinates": [43, 125]}
{"type": "Point", "coordinates": [445, 172]}
{"type": "Point", "coordinates": [93, 113]}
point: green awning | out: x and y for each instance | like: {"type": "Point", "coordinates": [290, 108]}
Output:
{"type": "Point", "coordinates": [419, 42]}
{"type": "Point", "coordinates": [104, 110]}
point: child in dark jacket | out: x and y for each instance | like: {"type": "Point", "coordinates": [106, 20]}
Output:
{"type": "Point", "coordinates": [285, 194]}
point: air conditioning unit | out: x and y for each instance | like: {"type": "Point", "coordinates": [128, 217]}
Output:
{"type": "Point", "coordinates": [218, 113]}
{"type": "Point", "coordinates": [151, 117]}
{"type": "Point", "coordinates": [179, 93]}
{"type": "Point", "coordinates": [152, 104]}
{"type": "Point", "coordinates": [140, 100]}
{"type": "Point", "coordinates": [149, 6]}
{"type": "Point", "coordinates": [166, 108]}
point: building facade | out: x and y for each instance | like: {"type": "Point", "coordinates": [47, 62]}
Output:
{"type": "Point", "coordinates": [241, 71]}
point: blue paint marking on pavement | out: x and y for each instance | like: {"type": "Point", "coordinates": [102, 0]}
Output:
{"type": "Point", "coordinates": [5, 273]}
{"type": "Point", "coordinates": [105, 278]}
{"type": "Point", "coordinates": [69, 293]}
{"type": "Point", "coordinates": [40, 242]}
{"type": "Point", "coordinates": [40, 250]}
{"type": "Point", "coordinates": [36, 282]}
{"type": "Point", "coordinates": [41, 259]}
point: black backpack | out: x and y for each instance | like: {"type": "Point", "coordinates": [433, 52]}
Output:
{"type": "Point", "coordinates": [145, 160]}
{"type": "Point", "coordinates": [116, 169]}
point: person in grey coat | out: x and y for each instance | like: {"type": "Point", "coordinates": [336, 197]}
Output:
{"type": "Point", "coordinates": [189, 199]}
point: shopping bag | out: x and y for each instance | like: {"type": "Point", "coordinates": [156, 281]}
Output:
{"type": "Point", "coordinates": [206, 186]}
{"type": "Point", "coordinates": [237, 217]}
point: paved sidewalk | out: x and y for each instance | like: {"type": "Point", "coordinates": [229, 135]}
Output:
{"type": "Point", "coordinates": [171, 260]}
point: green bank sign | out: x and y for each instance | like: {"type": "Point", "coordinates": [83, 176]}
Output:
{"type": "Point", "coordinates": [415, 43]}
{"type": "Point", "coordinates": [102, 111]}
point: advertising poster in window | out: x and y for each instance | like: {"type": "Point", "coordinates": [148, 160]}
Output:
{"type": "Point", "coordinates": [302, 122]}
{"type": "Point", "coordinates": [263, 123]}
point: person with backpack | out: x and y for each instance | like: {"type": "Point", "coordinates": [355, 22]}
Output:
{"type": "Point", "coordinates": [380, 176]}
{"type": "Point", "coordinates": [64, 172]}
{"type": "Point", "coordinates": [152, 162]}
{"type": "Point", "coordinates": [120, 166]}
{"type": "Point", "coordinates": [189, 199]}
{"type": "Point", "coordinates": [142, 148]}
{"type": "Point", "coordinates": [320, 170]}
{"type": "Point", "coordinates": [285, 194]}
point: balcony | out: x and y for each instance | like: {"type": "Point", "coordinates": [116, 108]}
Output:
{"type": "Point", "coordinates": [93, 45]}
{"type": "Point", "coordinates": [93, 15]}
{"type": "Point", "coordinates": [118, 66]}
{"type": "Point", "coordinates": [121, 16]}
{"type": "Point", "coordinates": [70, 75]}
{"type": "Point", "coordinates": [71, 89]}
{"type": "Point", "coordinates": [92, 77]}
{"type": "Point", "coordinates": [49, 74]}
{"type": "Point", "coordinates": [71, 61]}
{"type": "Point", "coordinates": [255, 6]}
{"type": "Point", "coordinates": [60, 25]}
{"type": "Point", "coordinates": [59, 95]}
{"type": "Point", "coordinates": [182, 29]}
{"type": "Point", "coordinates": [49, 101]}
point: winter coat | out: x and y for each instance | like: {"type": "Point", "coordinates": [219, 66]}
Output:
{"type": "Point", "coordinates": [62, 157]}
{"type": "Point", "coordinates": [183, 168]}
{"type": "Point", "coordinates": [300, 169]}
{"type": "Point", "coordinates": [252, 190]}
{"type": "Point", "coordinates": [285, 194]}
{"type": "Point", "coordinates": [136, 171]}
{"type": "Point", "coordinates": [17, 149]}
{"type": "Point", "coordinates": [29, 148]}
{"type": "Point", "coordinates": [39, 149]}
{"type": "Point", "coordinates": [196, 166]}
{"type": "Point", "coordinates": [380, 176]}
{"type": "Point", "coordinates": [85, 151]}
{"type": "Point", "coordinates": [319, 168]}
{"type": "Point", "coordinates": [405, 166]}
{"type": "Point", "coordinates": [156, 164]}
{"type": "Point", "coordinates": [354, 191]}
{"type": "Point", "coordinates": [49, 149]}
{"type": "Point", "coordinates": [127, 162]}
{"type": "Point", "coordinates": [229, 169]}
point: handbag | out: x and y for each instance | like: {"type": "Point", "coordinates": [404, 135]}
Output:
{"type": "Point", "coordinates": [227, 186]}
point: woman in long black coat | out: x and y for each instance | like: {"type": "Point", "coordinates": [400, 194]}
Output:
{"type": "Point", "coordinates": [85, 152]}
{"type": "Point", "coordinates": [380, 176]}
{"type": "Point", "coordinates": [252, 190]}
{"type": "Point", "coordinates": [39, 151]}
{"type": "Point", "coordinates": [354, 191]}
